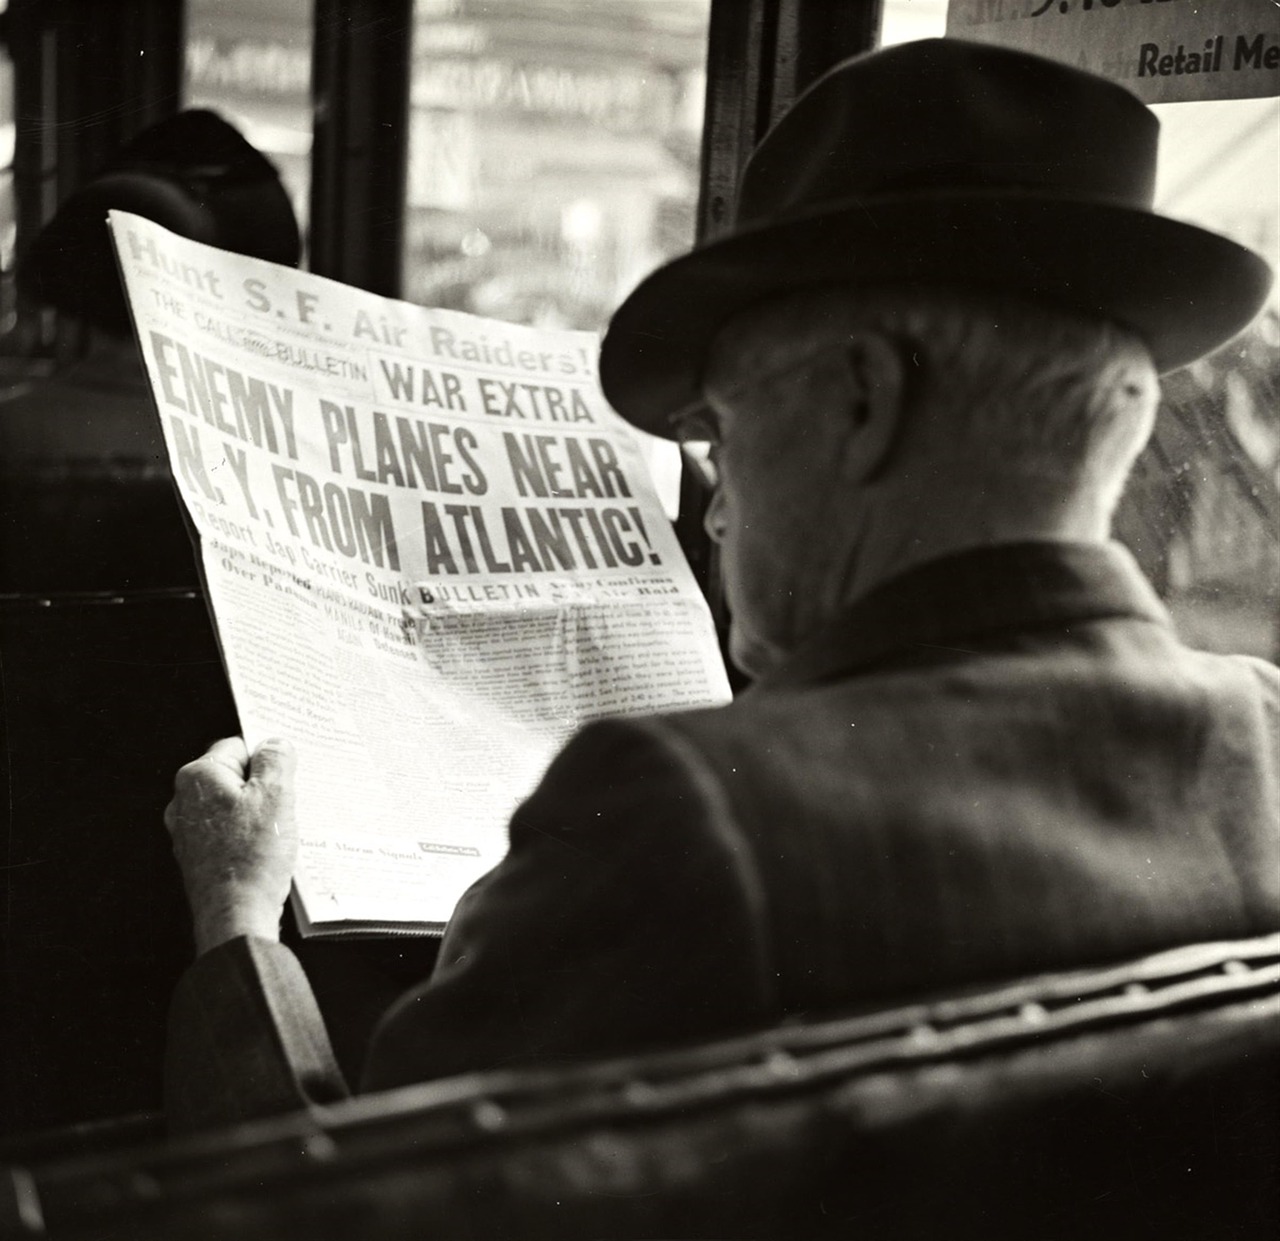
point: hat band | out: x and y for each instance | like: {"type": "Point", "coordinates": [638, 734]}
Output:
{"type": "Point", "coordinates": [949, 181]}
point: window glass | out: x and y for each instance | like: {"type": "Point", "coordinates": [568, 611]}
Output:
{"type": "Point", "coordinates": [250, 61]}
{"type": "Point", "coordinates": [904, 20]}
{"type": "Point", "coordinates": [1202, 512]}
{"type": "Point", "coordinates": [8, 216]}
{"type": "Point", "coordinates": [553, 152]}
{"type": "Point", "coordinates": [553, 159]}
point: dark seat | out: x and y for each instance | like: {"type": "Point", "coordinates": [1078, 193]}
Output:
{"type": "Point", "coordinates": [1135, 1101]}
{"type": "Point", "coordinates": [104, 696]}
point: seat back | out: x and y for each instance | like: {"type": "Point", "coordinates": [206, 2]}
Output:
{"type": "Point", "coordinates": [104, 696]}
{"type": "Point", "coordinates": [1135, 1101]}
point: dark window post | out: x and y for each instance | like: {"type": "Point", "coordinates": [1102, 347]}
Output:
{"type": "Point", "coordinates": [760, 55]}
{"type": "Point", "coordinates": [88, 76]}
{"type": "Point", "coordinates": [360, 92]}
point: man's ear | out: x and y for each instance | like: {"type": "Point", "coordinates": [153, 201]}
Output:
{"type": "Point", "coordinates": [866, 386]}
{"type": "Point", "coordinates": [858, 385]}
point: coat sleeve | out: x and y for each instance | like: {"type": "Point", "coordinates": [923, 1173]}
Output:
{"type": "Point", "coordinates": [627, 913]}
{"type": "Point", "coordinates": [245, 1039]}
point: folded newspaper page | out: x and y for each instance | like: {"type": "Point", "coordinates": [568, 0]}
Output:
{"type": "Point", "coordinates": [430, 549]}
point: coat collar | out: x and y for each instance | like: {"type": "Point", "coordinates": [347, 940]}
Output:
{"type": "Point", "coordinates": [972, 593]}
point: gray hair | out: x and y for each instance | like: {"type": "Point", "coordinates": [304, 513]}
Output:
{"type": "Point", "coordinates": [1042, 388]}
{"type": "Point", "coordinates": [1015, 388]}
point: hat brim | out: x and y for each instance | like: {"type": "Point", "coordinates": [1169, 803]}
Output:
{"type": "Point", "coordinates": [1181, 288]}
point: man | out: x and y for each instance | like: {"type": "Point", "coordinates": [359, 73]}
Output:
{"type": "Point", "coordinates": [974, 748]}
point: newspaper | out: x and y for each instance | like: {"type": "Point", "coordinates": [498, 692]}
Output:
{"type": "Point", "coordinates": [430, 549]}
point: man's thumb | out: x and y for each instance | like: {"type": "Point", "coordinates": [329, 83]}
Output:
{"type": "Point", "coordinates": [272, 762]}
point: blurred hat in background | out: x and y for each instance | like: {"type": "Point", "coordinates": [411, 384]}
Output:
{"type": "Point", "coordinates": [192, 173]}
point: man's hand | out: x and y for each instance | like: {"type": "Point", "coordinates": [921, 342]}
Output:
{"type": "Point", "coordinates": [235, 838]}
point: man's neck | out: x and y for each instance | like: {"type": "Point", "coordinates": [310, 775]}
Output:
{"type": "Point", "coordinates": [902, 533]}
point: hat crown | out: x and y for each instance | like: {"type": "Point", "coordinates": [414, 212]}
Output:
{"type": "Point", "coordinates": [947, 116]}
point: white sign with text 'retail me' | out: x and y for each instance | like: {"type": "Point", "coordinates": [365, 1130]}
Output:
{"type": "Point", "coordinates": [1165, 51]}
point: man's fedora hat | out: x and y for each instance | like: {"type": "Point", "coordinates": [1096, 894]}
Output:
{"type": "Point", "coordinates": [942, 162]}
{"type": "Point", "coordinates": [193, 173]}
